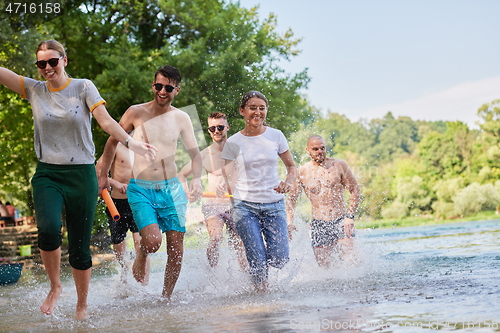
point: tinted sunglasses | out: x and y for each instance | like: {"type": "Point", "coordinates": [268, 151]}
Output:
{"type": "Point", "coordinates": [159, 87]}
{"type": "Point", "coordinates": [220, 128]}
{"type": "Point", "coordinates": [53, 62]}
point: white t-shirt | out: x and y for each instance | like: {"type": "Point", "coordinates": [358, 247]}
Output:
{"type": "Point", "coordinates": [62, 118]}
{"type": "Point", "coordinates": [256, 158]}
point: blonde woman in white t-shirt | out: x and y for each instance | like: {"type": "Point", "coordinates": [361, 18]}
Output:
{"type": "Point", "coordinates": [65, 177]}
{"type": "Point", "coordinates": [258, 202]}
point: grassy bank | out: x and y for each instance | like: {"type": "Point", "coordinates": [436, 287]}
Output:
{"type": "Point", "coordinates": [418, 221]}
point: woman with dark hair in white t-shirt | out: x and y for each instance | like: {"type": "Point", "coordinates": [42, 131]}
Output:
{"type": "Point", "coordinates": [65, 176]}
{"type": "Point", "coordinates": [258, 203]}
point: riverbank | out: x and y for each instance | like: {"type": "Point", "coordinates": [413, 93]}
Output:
{"type": "Point", "coordinates": [420, 221]}
{"type": "Point", "coordinates": [196, 236]}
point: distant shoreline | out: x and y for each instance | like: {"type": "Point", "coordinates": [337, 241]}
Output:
{"type": "Point", "coordinates": [420, 221]}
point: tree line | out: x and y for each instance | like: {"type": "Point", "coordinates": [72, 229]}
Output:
{"type": "Point", "coordinates": [409, 168]}
{"type": "Point", "coordinates": [405, 167]}
{"type": "Point", "coordinates": [221, 49]}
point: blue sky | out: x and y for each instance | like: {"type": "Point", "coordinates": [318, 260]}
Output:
{"type": "Point", "coordinates": [430, 60]}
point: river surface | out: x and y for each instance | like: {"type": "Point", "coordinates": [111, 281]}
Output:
{"type": "Point", "coordinates": [415, 279]}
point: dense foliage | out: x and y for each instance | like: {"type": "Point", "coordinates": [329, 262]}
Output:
{"type": "Point", "coordinates": [416, 168]}
{"type": "Point", "coordinates": [221, 49]}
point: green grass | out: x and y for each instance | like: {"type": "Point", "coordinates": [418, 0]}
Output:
{"type": "Point", "coordinates": [419, 221]}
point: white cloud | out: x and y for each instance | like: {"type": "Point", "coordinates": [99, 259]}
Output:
{"type": "Point", "coordinates": [456, 103]}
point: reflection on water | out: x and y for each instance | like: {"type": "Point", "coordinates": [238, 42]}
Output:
{"type": "Point", "coordinates": [417, 279]}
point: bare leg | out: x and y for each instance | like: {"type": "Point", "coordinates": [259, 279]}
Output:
{"type": "Point", "coordinates": [237, 245]}
{"type": "Point", "coordinates": [82, 282]}
{"type": "Point", "coordinates": [262, 287]}
{"type": "Point", "coordinates": [137, 244]}
{"type": "Point", "coordinates": [52, 262]}
{"type": "Point", "coordinates": [150, 243]}
{"type": "Point", "coordinates": [214, 227]}
{"type": "Point", "coordinates": [323, 255]}
{"type": "Point", "coordinates": [119, 250]}
{"type": "Point", "coordinates": [345, 247]}
{"type": "Point", "coordinates": [175, 251]}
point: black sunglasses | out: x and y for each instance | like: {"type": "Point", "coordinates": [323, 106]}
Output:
{"type": "Point", "coordinates": [53, 62]}
{"type": "Point", "coordinates": [220, 128]}
{"type": "Point", "coordinates": [168, 88]}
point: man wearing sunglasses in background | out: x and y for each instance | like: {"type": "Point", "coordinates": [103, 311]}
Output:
{"type": "Point", "coordinates": [156, 197]}
{"type": "Point", "coordinates": [216, 211]}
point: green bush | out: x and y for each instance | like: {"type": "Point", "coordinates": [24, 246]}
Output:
{"type": "Point", "coordinates": [444, 209]}
{"type": "Point", "coordinates": [475, 198]}
{"type": "Point", "coordinates": [412, 192]}
{"type": "Point", "coordinates": [395, 210]}
{"type": "Point", "coordinates": [447, 189]}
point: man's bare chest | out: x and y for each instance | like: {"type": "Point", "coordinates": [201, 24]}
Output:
{"type": "Point", "coordinates": [318, 180]}
{"type": "Point", "coordinates": [161, 130]}
{"type": "Point", "coordinates": [213, 163]}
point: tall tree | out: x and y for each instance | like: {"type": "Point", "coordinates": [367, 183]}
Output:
{"type": "Point", "coordinates": [221, 49]}
{"type": "Point", "coordinates": [394, 137]}
{"type": "Point", "coordinates": [490, 114]}
{"type": "Point", "coordinates": [447, 155]}
{"type": "Point", "coordinates": [17, 155]}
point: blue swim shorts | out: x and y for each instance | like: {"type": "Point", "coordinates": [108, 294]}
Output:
{"type": "Point", "coordinates": [163, 202]}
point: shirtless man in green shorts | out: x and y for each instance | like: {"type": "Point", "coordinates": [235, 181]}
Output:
{"type": "Point", "coordinates": [155, 195]}
{"type": "Point", "coordinates": [324, 181]}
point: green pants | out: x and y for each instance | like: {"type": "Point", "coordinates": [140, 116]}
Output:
{"type": "Point", "coordinates": [73, 187]}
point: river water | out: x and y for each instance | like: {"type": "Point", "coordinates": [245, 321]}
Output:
{"type": "Point", "coordinates": [415, 279]}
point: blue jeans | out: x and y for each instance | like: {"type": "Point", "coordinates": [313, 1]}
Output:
{"type": "Point", "coordinates": [263, 230]}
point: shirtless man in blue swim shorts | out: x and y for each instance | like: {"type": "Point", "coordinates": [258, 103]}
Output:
{"type": "Point", "coordinates": [324, 181]}
{"type": "Point", "coordinates": [156, 197]}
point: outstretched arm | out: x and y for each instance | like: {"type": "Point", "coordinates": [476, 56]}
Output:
{"type": "Point", "coordinates": [110, 126]}
{"type": "Point", "coordinates": [11, 80]}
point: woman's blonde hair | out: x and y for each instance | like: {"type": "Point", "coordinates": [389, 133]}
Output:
{"type": "Point", "coordinates": [51, 45]}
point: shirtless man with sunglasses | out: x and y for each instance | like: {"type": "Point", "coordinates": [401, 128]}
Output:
{"type": "Point", "coordinates": [156, 197]}
{"type": "Point", "coordinates": [216, 211]}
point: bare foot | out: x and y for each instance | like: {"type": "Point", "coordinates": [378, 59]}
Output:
{"type": "Point", "coordinates": [147, 270]}
{"type": "Point", "coordinates": [139, 267]}
{"type": "Point", "coordinates": [165, 300]}
{"type": "Point", "coordinates": [213, 256]}
{"type": "Point", "coordinates": [123, 273]}
{"type": "Point", "coordinates": [50, 302]}
{"type": "Point", "coordinates": [261, 287]}
{"type": "Point", "coordinates": [81, 312]}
